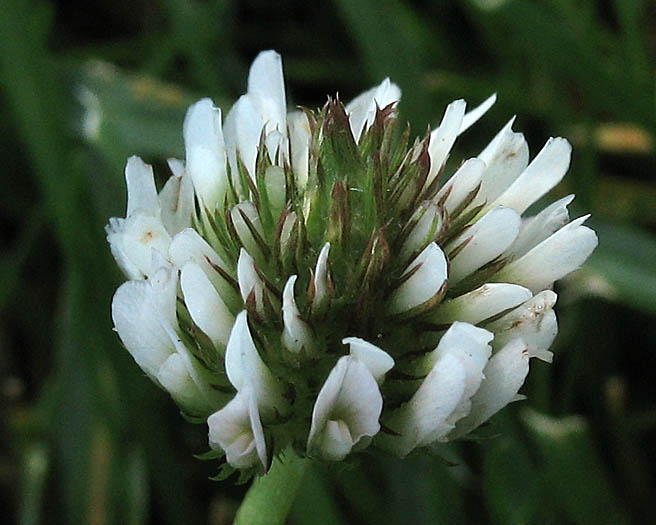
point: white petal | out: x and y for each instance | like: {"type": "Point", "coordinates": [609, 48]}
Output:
{"type": "Point", "coordinates": [321, 278]}
{"type": "Point", "coordinates": [505, 157]}
{"type": "Point", "coordinates": [276, 187]}
{"type": "Point", "coordinates": [470, 345]}
{"type": "Point", "coordinates": [424, 284]}
{"type": "Point", "coordinates": [350, 395]}
{"type": "Point", "coordinates": [249, 280]}
{"type": "Point", "coordinates": [460, 186]}
{"type": "Point", "coordinates": [536, 229]}
{"type": "Point", "coordinates": [470, 118]}
{"type": "Point", "coordinates": [243, 127]}
{"type": "Point", "coordinates": [205, 152]}
{"type": "Point", "coordinates": [486, 239]}
{"type": "Point", "coordinates": [376, 360]}
{"type": "Point", "coordinates": [237, 429]}
{"type": "Point", "coordinates": [299, 143]}
{"type": "Point", "coordinates": [335, 442]}
{"type": "Point", "coordinates": [534, 322]}
{"type": "Point", "coordinates": [205, 306]}
{"type": "Point", "coordinates": [142, 194]}
{"type": "Point", "coordinates": [174, 376]}
{"type": "Point", "coordinates": [267, 85]}
{"type": "Point", "coordinates": [422, 420]}
{"type": "Point", "coordinates": [132, 241]}
{"type": "Point", "coordinates": [140, 309]}
{"type": "Point", "coordinates": [297, 335]}
{"type": "Point", "coordinates": [481, 304]}
{"type": "Point", "coordinates": [362, 109]}
{"type": "Point", "coordinates": [443, 138]}
{"type": "Point", "coordinates": [187, 246]}
{"type": "Point", "coordinates": [546, 170]}
{"type": "Point", "coordinates": [428, 221]}
{"type": "Point", "coordinates": [504, 375]}
{"type": "Point", "coordinates": [177, 203]}
{"type": "Point", "coordinates": [176, 166]}
{"type": "Point", "coordinates": [248, 209]}
{"type": "Point", "coordinates": [460, 337]}
{"type": "Point", "coordinates": [552, 259]}
{"type": "Point", "coordinates": [246, 370]}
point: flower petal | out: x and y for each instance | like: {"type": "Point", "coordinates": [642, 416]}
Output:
{"type": "Point", "coordinates": [299, 144]}
{"type": "Point", "coordinates": [249, 210]}
{"type": "Point", "coordinates": [205, 152]}
{"type": "Point", "coordinates": [470, 118]}
{"type": "Point", "coordinates": [140, 309]}
{"type": "Point", "coordinates": [177, 203]}
{"type": "Point", "coordinates": [249, 281]}
{"type": "Point", "coordinates": [443, 138]}
{"type": "Point", "coordinates": [536, 229]}
{"type": "Point", "coordinates": [461, 185]}
{"type": "Point", "coordinates": [483, 303]}
{"type": "Point", "coordinates": [174, 377]}
{"type": "Point", "coordinates": [534, 322]}
{"type": "Point", "coordinates": [422, 420]}
{"type": "Point", "coordinates": [322, 281]}
{"type": "Point", "coordinates": [243, 128]}
{"type": "Point", "coordinates": [470, 345]}
{"type": "Point", "coordinates": [543, 173]}
{"type": "Point", "coordinates": [504, 375]}
{"type": "Point", "coordinates": [205, 305]}
{"type": "Point", "coordinates": [505, 157]}
{"type": "Point", "coordinates": [246, 370]}
{"type": "Point", "coordinates": [427, 220]}
{"type": "Point", "coordinates": [424, 284]}
{"type": "Point", "coordinates": [297, 335]}
{"type": "Point", "coordinates": [350, 397]}
{"type": "Point", "coordinates": [484, 241]}
{"type": "Point", "coordinates": [142, 194]}
{"type": "Point", "coordinates": [187, 246]}
{"type": "Point", "coordinates": [552, 259]}
{"type": "Point", "coordinates": [376, 360]}
{"type": "Point", "coordinates": [362, 109]}
{"type": "Point", "coordinates": [266, 84]}
{"type": "Point", "coordinates": [237, 429]}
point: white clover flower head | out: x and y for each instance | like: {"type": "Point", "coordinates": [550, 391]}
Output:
{"type": "Point", "coordinates": [307, 280]}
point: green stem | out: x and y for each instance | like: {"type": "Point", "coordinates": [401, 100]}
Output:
{"type": "Point", "coordinates": [270, 498]}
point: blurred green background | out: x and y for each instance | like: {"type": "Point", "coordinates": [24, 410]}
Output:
{"type": "Point", "coordinates": [86, 438]}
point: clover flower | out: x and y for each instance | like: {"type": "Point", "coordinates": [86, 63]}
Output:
{"type": "Point", "coordinates": [312, 279]}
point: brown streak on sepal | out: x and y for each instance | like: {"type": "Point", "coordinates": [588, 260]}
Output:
{"type": "Point", "coordinates": [339, 223]}
{"type": "Point", "coordinates": [420, 309]}
{"type": "Point", "coordinates": [232, 230]}
{"type": "Point", "coordinates": [244, 178]}
{"type": "Point", "coordinates": [386, 430]}
{"type": "Point", "coordinates": [406, 275]}
{"type": "Point", "coordinates": [453, 253]}
{"type": "Point", "coordinates": [250, 304]}
{"type": "Point", "coordinates": [445, 196]}
{"type": "Point", "coordinates": [398, 375]}
{"type": "Point", "coordinates": [478, 278]}
{"type": "Point", "coordinates": [224, 274]}
{"type": "Point", "coordinates": [261, 243]}
{"type": "Point", "coordinates": [267, 283]}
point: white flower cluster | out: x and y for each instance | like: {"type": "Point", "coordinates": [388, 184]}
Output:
{"type": "Point", "coordinates": [305, 280]}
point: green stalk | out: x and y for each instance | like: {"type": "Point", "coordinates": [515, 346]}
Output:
{"type": "Point", "coordinates": [270, 498]}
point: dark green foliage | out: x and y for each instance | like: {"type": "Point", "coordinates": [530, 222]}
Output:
{"type": "Point", "coordinates": [88, 438]}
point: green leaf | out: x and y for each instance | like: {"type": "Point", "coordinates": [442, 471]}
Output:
{"type": "Point", "coordinates": [572, 470]}
{"type": "Point", "coordinates": [623, 267]}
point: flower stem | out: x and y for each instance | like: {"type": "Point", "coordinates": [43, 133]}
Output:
{"type": "Point", "coordinates": [270, 497]}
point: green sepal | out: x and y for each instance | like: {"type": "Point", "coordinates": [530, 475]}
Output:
{"type": "Point", "coordinates": [212, 454]}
